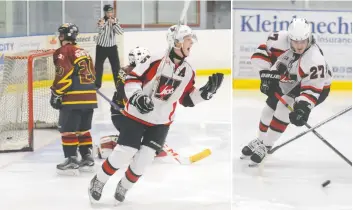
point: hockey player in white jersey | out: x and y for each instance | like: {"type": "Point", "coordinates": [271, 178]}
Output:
{"type": "Point", "coordinates": [292, 65]}
{"type": "Point", "coordinates": [108, 143]}
{"type": "Point", "coordinates": [153, 95]}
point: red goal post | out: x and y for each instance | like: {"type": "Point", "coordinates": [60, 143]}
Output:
{"type": "Point", "coordinates": [24, 98]}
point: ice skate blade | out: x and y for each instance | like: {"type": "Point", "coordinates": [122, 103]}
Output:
{"type": "Point", "coordinates": [252, 164]}
{"type": "Point", "coordinates": [117, 203]}
{"type": "Point", "coordinates": [245, 157]}
{"type": "Point", "coordinates": [68, 172]}
{"type": "Point", "coordinates": [87, 169]}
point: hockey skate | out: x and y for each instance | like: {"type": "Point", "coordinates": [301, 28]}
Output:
{"type": "Point", "coordinates": [248, 150]}
{"type": "Point", "coordinates": [258, 155]}
{"type": "Point", "coordinates": [87, 163]}
{"type": "Point", "coordinates": [95, 189]}
{"type": "Point", "coordinates": [120, 193]}
{"type": "Point", "coordinates": [69, 167]}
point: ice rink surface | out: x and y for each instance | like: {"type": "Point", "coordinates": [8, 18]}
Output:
{"type": "Point", "coordinates": [291, 178]}
{"type": "Point", "coordinates": [29, 180]}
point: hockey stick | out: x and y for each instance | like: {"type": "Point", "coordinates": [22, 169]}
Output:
{"type": "Point", "coordinates": [309, 130]}
{"type": "Point", "coordinates": [182, 160]}
{"type": "Point", "coordinates": [278, 96]}
{"type": "Point", "coordinates": [187, 160]}
{"type": "Point", "coordinates": [116, 107]}
{"type": "Point", "coordinates": [161, 65]}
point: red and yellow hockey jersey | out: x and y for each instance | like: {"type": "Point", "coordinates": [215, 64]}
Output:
{"type": "Point", "coordinates": [74, 78]}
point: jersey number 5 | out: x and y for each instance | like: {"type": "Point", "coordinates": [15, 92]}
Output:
{"type": "Point", "coordinates": [314, 74]}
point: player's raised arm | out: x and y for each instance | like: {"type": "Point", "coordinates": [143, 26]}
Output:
{"type": "Point", "coordinates": [192, 95]}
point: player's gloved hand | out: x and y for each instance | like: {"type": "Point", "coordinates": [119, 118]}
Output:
{"type": "Point", "coordinates": [270, 82]}
{"type": "Point", "coordinates": [55, 100]}
{"type": "Point", "coordinates": [211, 87]}
{"type": "Point", "coordinates": [142, 102]}
{"type": "Point", "coordinates": [300, 114]}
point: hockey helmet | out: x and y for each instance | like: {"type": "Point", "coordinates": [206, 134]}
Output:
{"type": "Point", "coordinates": [137, 54]}
{"type": "Point", "coordinates": [299, 29]}
{"type": "Point", "coordinates": [176, 35]}
{"type": "Point", "coordinates": [69, 31]}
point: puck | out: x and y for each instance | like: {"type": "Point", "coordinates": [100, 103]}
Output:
{"type": "Point", "coordinates": [327, 182]}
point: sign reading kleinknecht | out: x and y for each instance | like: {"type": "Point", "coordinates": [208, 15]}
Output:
{"type": "Point", "coordinates": [332, 31]}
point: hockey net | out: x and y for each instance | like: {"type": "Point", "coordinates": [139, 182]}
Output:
{"type": "Point", "coordinates": [24, 98]}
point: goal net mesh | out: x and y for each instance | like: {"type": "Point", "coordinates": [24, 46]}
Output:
{"type": "Point", "coordinates": [24, 98]}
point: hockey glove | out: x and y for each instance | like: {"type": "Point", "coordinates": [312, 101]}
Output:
{"type": "Point", "coordinates": [55, 100]}
{"type": "Point", "coordinates": [269, 82]}
{"type": "Point", "coordinates": [300, 114]}
{"type": "Point", "coordinates": [142, 102]}
{"type": "Point", "coordinates": [211, 87]}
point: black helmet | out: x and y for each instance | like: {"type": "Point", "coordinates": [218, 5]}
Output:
{"type": "Point", "coordinates": [69, 30]}
{"type": "Point", "coordinates": [107, 8]}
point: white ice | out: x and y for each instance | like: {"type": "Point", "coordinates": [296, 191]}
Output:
{"type": "Point", "coordinates": [291, 178]}
{"type": "Point", "coordinates": [29, 180]}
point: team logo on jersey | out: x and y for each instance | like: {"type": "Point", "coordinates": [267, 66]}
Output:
{"type": "Point", "coordinates": [59, 71]}
{"type": "Point", "coordinates": [166, 87]}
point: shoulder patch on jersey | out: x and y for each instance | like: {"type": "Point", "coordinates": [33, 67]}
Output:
{"type": "Point", "coordinates": [59, 71]}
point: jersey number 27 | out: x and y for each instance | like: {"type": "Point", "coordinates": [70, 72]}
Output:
{"type": "Point", "coordinates": [316, 72]}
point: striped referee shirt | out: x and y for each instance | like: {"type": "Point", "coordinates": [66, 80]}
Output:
{"type": "Point", "coordinates": [106, 33]}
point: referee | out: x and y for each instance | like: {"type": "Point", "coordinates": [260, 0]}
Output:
{"type": "Point", "coordinates": [106, 47]}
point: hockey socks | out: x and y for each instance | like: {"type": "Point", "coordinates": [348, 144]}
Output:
{"type": "Point", "coordinates": [129, 179]}
{"type": "Point", "coordinates": [117, 159]}
{"type": "Point", "coordinates": [142, 159]}
{"type": "Point", "coordinates": [85, 143]}
{"type": "Point", "coordinates": [70, 143]}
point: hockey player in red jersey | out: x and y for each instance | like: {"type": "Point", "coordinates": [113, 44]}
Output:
{"type": "Point", "coordinates": [73, 93]}
{"type": "Point", "coordinates": [293, 65]}
{"type": "Point", "coordinates": [153, 91]}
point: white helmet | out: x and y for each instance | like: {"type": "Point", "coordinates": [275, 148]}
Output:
{"type": "Point", "coordinates": [175, 36]}
{"type": "Point", "coordinates": [137, 54]}
{"type": "Point", "coordinates": [299, 29]}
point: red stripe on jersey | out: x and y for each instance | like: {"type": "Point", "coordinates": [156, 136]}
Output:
{"type": "Point", "coordinates": [132, 80]}
{"type": "Point", "coordinates": [172, 112]}
{"type": "Point", "coordinates": [276, 52]}
{"type": "Point", "coordinates": [310, 97]}
{"type": "Point", "coordinates": [260, 56]}
{"type": "Point", "coordinates": [189, 88]}
{"type": "Point", "coordinates": [137, 119]}
{"type": "Point", "coordinates": [151, 71]}
{"type": "Point", "coordinates": [262, 47]}
{"type": "Point", "coordinates": [327, 86]}
{"type": "Point", "coordinates": [312, 88]}
{"type": "Point", "coordinates": [133, 74]}
{"type": "Point", "coordinates": [301, 72]}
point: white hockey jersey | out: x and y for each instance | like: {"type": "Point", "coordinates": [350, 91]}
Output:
{"type": "Point", "coordinates": [175, 84]}
{"type": "Point", "coordinates": [309, 70]}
